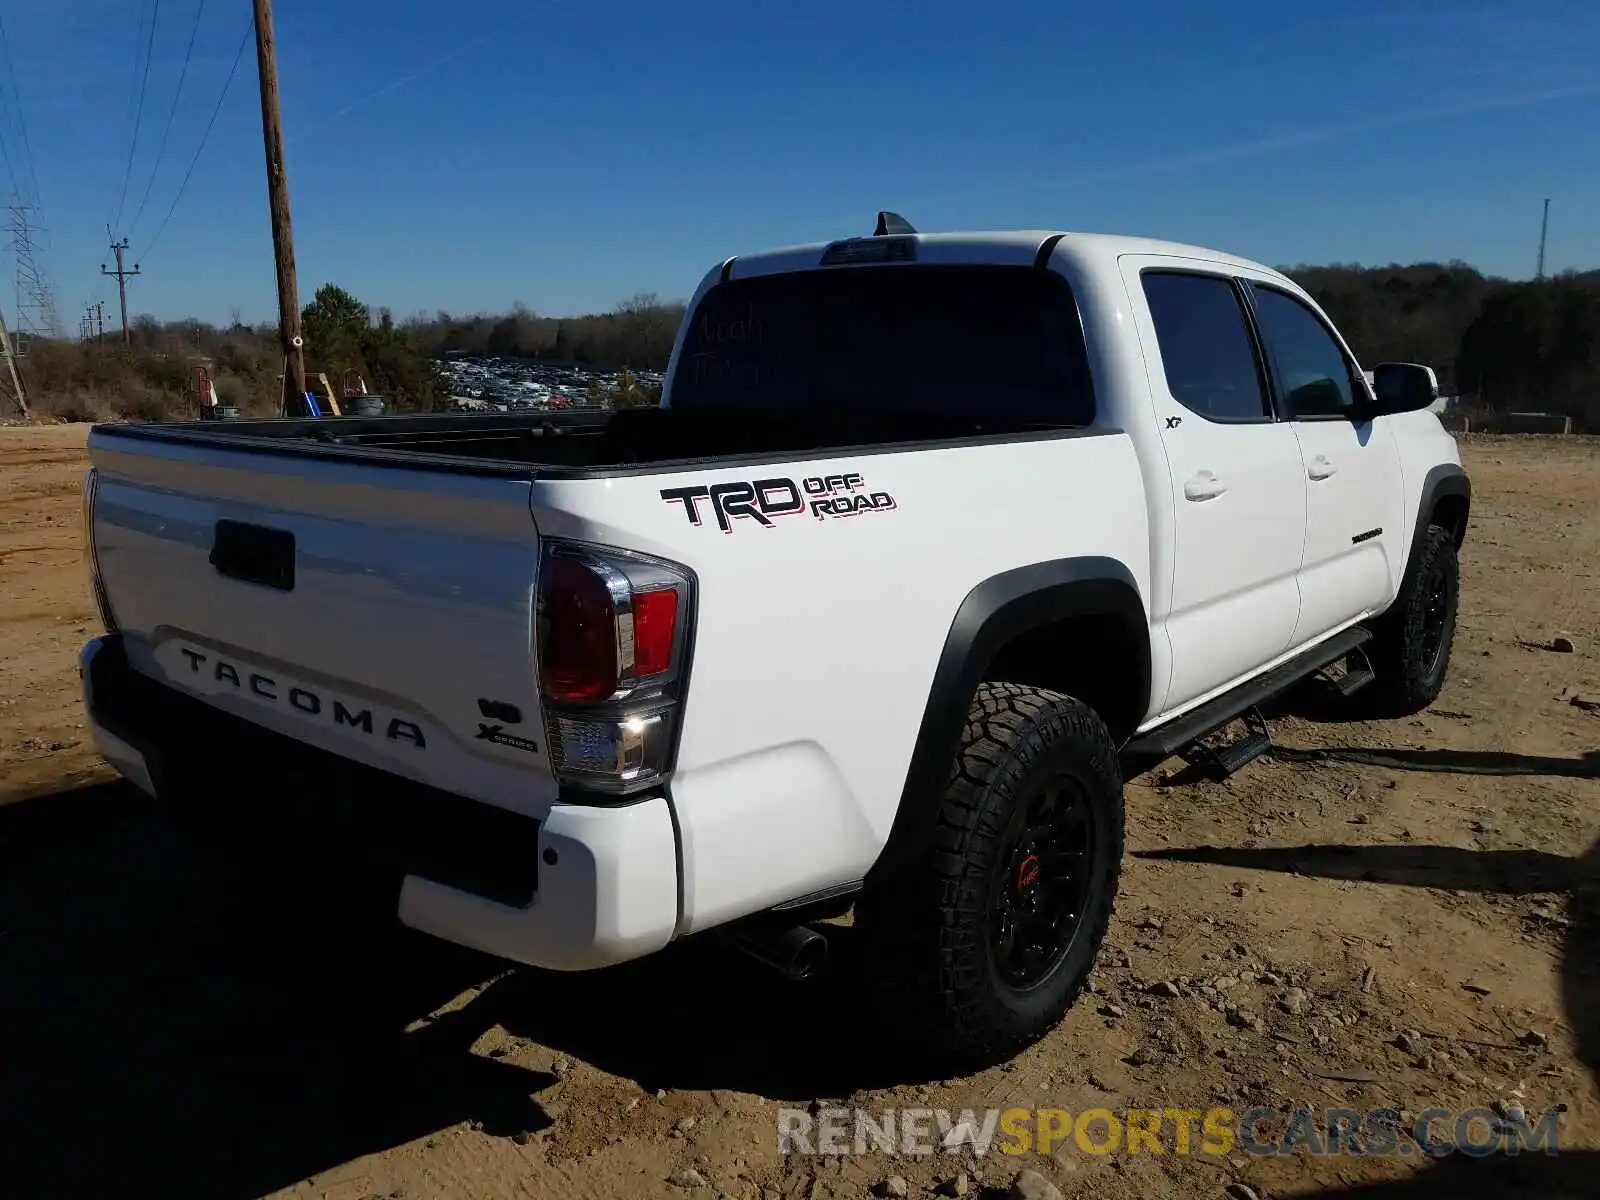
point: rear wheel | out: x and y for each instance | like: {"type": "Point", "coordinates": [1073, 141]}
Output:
{"type": "Point", "coordinates": [1411, 646]}
{"type": "Point", "coordinates": [983, 942]}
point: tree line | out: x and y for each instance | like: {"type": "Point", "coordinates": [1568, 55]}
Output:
{"type": "Point", "coordinates": [1504, 345]}
{"type": "Point", "coordinates": [1501, 346]}
{"type": "Point", "coordinates": [151, 377]}
{"type": "Point", "coordinates": [638, 333]}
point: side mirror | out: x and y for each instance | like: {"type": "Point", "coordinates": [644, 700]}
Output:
{"type": "Point", "coordinates": [1403, 387]}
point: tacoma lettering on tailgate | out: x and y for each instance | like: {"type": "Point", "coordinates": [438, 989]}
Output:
{"type": "Point", "coordinates": [221, 675]}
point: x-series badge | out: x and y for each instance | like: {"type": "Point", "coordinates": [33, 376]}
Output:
{"type": "Point", "coordinates": [498, 735]}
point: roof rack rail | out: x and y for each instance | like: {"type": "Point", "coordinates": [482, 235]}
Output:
{"type": "Point", "coordinates": [891, 224]}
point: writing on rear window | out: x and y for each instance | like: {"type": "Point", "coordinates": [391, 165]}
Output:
{"type": "Point", "coordinates": [730, 327]}
{"type": "Point", "coordinates": [715, 357]}
{"type": "Point", "coordinates": [763, 501]}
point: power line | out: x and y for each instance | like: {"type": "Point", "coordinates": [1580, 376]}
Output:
{"type": "Point", "coordinates": [5, 157]}
{"type": "Point", "coordinates": [36, 310]}
{"type": "Point", "coordinates": [138, 111]}
{"type": "Point", "coordinates": [161, 149]}
{"type": "Point", "coordinates": [1544, 230]}
{"type": "Point", "coordinates": [16, 103]}
{"type": "Point", "coordinates": [492, 36]}
{"type": "Point", "coordinates": [238, 54]}
{"type": "Point", "coordinates": [36, 307]}
{"type": "Point", "coordinates": [134, 97]}
{"type": "Point", "coordinates": [133, 94]}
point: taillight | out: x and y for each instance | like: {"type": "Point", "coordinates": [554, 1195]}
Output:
{"type": "Point", "coordinates": [611, 637]}
{"type": "Point", "coordinates": [578, 631]}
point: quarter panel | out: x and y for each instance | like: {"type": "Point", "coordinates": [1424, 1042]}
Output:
{"type": "Point", "coordinates": [818, 636]}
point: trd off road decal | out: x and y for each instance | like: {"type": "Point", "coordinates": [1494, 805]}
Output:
{"type": "Point", "coordinates": [762, 500]}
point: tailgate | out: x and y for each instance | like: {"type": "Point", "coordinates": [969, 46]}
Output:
{"type": "Point", "coordinates": [379, 613]}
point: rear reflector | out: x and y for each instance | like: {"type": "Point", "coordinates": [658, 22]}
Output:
{"type": "Point", "coordinates": [655, 622]}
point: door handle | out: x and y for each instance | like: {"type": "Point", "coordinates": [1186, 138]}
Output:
{"type": "Point", "coordinates": [1203, 486]}
{"type": "Point", "coordinates": [1321, 467]}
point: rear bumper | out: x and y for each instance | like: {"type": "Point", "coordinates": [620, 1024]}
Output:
{"type": "Point", "coordinates": [608, 892]}
{"type": "Point", "coordinates": [586, 887]}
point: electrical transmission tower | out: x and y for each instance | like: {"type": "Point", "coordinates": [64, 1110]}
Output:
{"type": "Point", "coordinates": [36, 306]}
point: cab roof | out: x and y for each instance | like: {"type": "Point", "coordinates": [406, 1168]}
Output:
{"type": "Point", "coordinates": [1019, 247]}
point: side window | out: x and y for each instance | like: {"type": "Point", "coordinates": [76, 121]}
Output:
{"type": "Point", "coordinates": [1206, 349]}
{"type": "Point", "coordinates": [1313, 372]}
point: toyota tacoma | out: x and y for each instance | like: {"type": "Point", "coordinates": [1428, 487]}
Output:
{"type": "Point", "coordinates": [930, 536]}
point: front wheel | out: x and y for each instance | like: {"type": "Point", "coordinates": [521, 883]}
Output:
{"type": "Point", "coordinates": [982, 943]}
{"type": "Point", "coordinates": [1411, 646]}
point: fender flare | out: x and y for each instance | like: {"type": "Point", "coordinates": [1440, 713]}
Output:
{"type": "Point", "coordinates": [994, 612]}
{"type": "Point", "coordinates": [1441, 481]}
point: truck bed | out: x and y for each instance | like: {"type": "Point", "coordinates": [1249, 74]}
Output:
{"type": "Point", "coordinates": [588, 444]}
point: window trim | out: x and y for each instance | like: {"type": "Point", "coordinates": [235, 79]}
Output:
{"type": "Point", "coordinates": [1253, 335]}
{"type": "Point", "coordinates": [1280, 400]}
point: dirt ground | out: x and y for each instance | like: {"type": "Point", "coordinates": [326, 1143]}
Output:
{"type": "Point", "coordinates": [1424, 895]}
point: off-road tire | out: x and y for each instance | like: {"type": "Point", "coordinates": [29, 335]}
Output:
{"type": "Point", "coordinates": [927, 931]}
{"type": "Point", "coordinates": [1410, 648]}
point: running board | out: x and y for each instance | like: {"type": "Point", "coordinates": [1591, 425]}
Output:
{"type": "Point", "coordinates": [1219, 762]}
{"type": "Point", "coordinates": [1358, 672]}
{"type": "Point", "coordinates": [1181, 732]}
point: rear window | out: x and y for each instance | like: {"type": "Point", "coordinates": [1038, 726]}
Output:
{"type": "Point", "coordinates": [989, 342]}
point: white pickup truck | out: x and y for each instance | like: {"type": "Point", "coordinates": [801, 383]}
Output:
{"type": "Point", "coordinates": [929, 536]}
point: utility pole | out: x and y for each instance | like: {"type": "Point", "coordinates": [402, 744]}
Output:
{"type": "Point", "coordinates": [122, 274]}
{"type": "Point", "coordinates": [1544, 229]}
{"type": "Point", "coordinates": [11, 365]}
{"type": "Point", "coordinates": [294, 374]}
{"type": "Point", "coordinates": [92, 325]}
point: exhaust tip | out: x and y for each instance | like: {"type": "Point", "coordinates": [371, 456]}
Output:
{"type": "Point", "coordinates": [810, 956]}
{"type": "Point", "coordinates": [798, 952]}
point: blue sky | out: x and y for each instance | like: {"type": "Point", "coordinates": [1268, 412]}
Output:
{"type": "Point", "coordinates": [566, 155]}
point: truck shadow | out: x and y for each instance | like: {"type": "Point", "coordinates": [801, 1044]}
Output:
{"type": "Point", "coordinates": [155, 1016]}
{"type": "Point", "coordinates": [155, 1011]}
{"type": "Point", "coordinates": [1458, 762]}
{"type": "Point", "coordinates": [1318, 701]}
{"type": "Point", "coordinates": [1453, 762]}
{"type": "Point", "coordinates": [1506, 872]}
{"type": "Point", "coordinates": [701, 1017]}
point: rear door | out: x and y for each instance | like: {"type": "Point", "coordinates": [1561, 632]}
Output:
{"type": "Point", "coordinates": [1352, 469]}
{"type": "Point", "coordinates": [1238, 489]}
